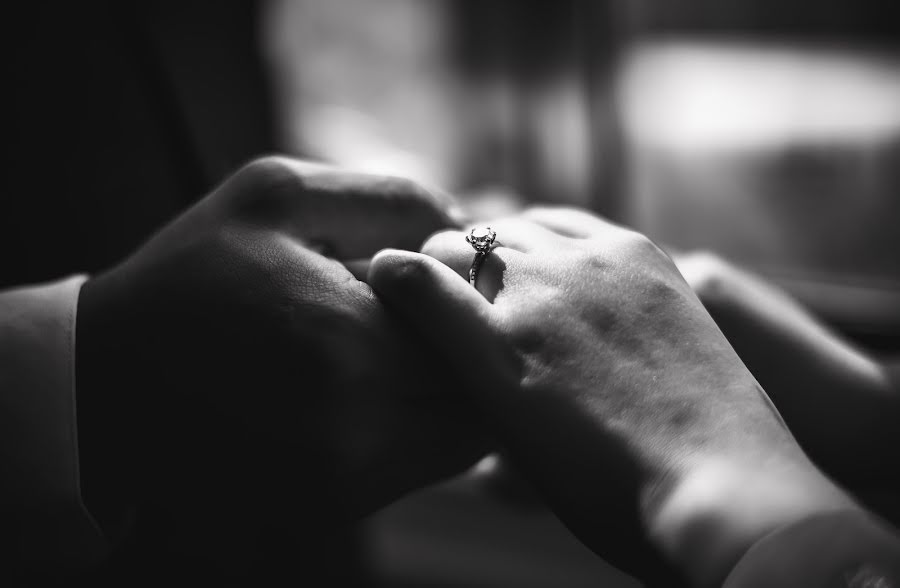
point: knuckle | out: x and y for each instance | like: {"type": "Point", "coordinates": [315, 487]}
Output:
{"type": "Point", "coordinates": [267, 169]}
{"type": "Point", "coordinates": [417, 200]}
{"type": "Point", "coordinates": [582, 219]}
{"type": "Point", "coordinates": [639, 245]}
{"type": "Point", "coordinates": [262, 187]}
{"type": "Point", "coordinates": [539, 212]}
{"type": "Point", "coordinates": [543, 210]}
{"type": "Point", "coordinates": [406, 190]}
{"type": "Point", "coordinates": [405, 187]}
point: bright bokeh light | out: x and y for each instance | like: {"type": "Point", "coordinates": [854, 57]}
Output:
{"type": "Point", "coordinates": [686, 96]}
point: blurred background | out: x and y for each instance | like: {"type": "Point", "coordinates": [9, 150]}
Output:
{"type": "Point", "coordinates": [766, 131]}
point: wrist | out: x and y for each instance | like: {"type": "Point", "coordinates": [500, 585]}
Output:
{"type": "Point", "coordinates": [718, 510]}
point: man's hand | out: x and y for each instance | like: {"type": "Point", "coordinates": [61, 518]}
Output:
{"type": "Point", "coordinates": [228, 372]}
{"type": "Point", "coordinates": [613, 389]}
{"type": "Point", "coordinates": [840, 403]}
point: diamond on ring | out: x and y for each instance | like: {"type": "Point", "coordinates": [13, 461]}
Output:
{"type": "Point", "coordinates": [481, 238]}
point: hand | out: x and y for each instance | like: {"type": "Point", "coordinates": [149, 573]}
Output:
{"type": "Point", "coordinates": [613, 389]}
{"type": "Point", "coordinates": [230, 374]}
{"type": "Point", "coordinates": [839, 402]}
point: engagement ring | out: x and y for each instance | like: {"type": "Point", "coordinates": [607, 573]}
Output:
{"type": "Point", "coordinates": [482, 240]}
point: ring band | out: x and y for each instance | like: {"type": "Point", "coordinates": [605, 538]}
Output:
{"type": "Point", "coordinates": [482, 241]}
{"type": "Point", "coordinates": [476, 265]}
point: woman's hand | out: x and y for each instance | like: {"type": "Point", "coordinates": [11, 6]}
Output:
{"type": "Point", "coordinates": [612, 388]}
{"type": "Point", "coordinates": [840, 403]}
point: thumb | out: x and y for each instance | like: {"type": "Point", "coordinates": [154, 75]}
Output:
{"type": "Point", "coordinates": [448, 313]}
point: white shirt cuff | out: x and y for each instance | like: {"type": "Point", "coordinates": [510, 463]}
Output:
{"type": "Point", "coordinates": [43, 516]}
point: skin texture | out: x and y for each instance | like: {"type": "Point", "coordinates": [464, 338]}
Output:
{"type": "Point", "coordinates": [234, 379]}
{"type": "Point", "coordinates": [612, 389]}
{"type": "Point", "coordinates": [842, 405]}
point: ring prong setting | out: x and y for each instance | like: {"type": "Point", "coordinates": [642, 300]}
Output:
{"type": "Point", "coordinates": [481, 238]}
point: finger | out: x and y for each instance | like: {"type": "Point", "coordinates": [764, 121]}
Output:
{"type": "Point", "coordinates": [361, 214]}
{"type": "Point", "coordinates": [448, 313]}
{"type": "Point", "coordinates": [569, 222]}
{"type": "Point", "coordinates": [522, 235]}
{"type": "Point", "coordinates": [451, 249]}
{"type": "Point", "coordinates": [346, 214]}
